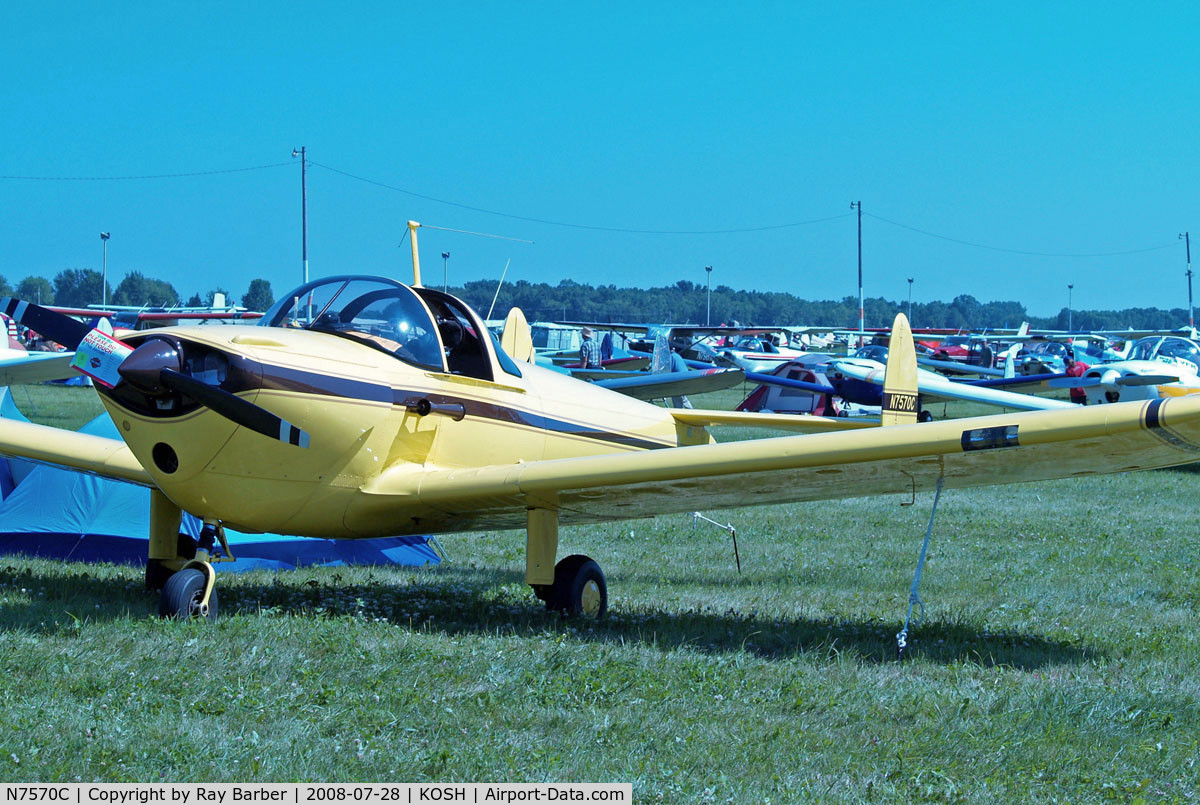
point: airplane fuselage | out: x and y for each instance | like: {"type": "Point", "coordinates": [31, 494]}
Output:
{"type": "Point", "coordinates": [362, 409]}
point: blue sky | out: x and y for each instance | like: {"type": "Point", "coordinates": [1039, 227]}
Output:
{"type": "Point", "coordinates": [1040, 132]}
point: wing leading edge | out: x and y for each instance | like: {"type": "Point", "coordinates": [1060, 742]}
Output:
{"type": "Point", "coordinates": [1005, 448]}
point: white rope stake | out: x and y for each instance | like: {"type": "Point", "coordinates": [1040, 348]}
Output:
{"type": "Point", "coordinates": [914, 597]}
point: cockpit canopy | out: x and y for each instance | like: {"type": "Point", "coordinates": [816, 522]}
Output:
{"type": "Point", "coordinates": [872, 352]}
{"type": "Point", "coordinates": [419, 326]}
{"type": "Point", "coordinates": [377, 311]}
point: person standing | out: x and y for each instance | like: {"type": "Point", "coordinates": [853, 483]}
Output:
{"type": "Point", "coordinates": [1076, 369]}
{"type": "Point", "coordinates": [589, 351]}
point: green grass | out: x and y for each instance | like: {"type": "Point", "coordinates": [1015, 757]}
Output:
{"type": "Point", "coordinates": [1057, 660]}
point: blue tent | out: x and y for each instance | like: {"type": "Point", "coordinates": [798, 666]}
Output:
{"type": "Point", "coordinates": [57, 513]}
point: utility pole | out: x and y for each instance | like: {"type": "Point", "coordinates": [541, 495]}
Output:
{"type": "Point", "coordinates": [910, 281]}
{"type": "Point", "coordinates": [861, 323]}
{"type": "Point", "coordinates": [302, 153]}
{"type": "Point", "coordinates": [708, 315]}
{"type": "Point", "coordinates": [1187, 239]}
{"type": "Point", "coordinates": [104, 271]}
{"type": "Point", "coordinates": [445, 272]}
{"type": "Point", "coordinates": [1070, 310]}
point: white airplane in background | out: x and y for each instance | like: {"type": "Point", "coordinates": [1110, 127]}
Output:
{"type": "Point", "coordinates": [1158, 366]}
{"type": "Point", "coordinates": [19, 365]}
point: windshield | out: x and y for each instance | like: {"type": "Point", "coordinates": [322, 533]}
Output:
{"type": "Point", "coordinates": [1050, 348]}
{"type": "Point", "coordinates": [1143, 350]}
{"type": "Point", "coordinates": [1180, 350]}
{"type": "Point", "coordinates": [872, 352]}
{"type": "Point", "coordinates": [377, 312]}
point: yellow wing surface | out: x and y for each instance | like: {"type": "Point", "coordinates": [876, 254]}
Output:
{"type": "Point", "coordinates": [1006, 448]}
{"type": "Point", "coordinates": [80, 451]}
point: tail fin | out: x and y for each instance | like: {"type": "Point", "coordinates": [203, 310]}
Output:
{"type": "Point", "coordinates": [516, 338]}
{"type": "Point", "coordinates": [900, 378]}
{"type": "Point", "coordinates": [662, 355]}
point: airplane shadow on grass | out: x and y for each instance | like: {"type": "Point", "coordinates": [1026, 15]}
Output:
{"type": "Point", "coordinates": [484, 601]}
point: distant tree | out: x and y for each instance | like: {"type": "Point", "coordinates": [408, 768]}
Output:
{"type": "Point", "coordinates": [259, 296]}
{"type": "Point", "coordinates": [36, 289]}
{"type": "Point", "coordinates": [5, 288]}
{"type": "Point", "coordinates": [78, 287]}
{"type": "Point", "coordinates": [194, 301]}
{"type": "Point", "coordinates": [138, 290]}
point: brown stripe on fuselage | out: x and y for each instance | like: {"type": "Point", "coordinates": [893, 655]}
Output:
{"type": "Point", "coordinates": [281, 378]}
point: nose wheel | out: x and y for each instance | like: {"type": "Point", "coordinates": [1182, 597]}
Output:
{"type": "Point", "coordinates": [579, 588]}
{"type": "Point", "coordinates": [189, 594]}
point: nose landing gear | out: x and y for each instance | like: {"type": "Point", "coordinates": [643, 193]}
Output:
{"type": "Point", "coordinates": [188, 592]}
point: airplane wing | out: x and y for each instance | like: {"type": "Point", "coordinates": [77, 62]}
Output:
{"type": "Point", "coordinates": [1004, 448]}
{"type": "Point", "coordinates": [36, 367]}
{"type": "Point", "coordinates": [80, 451]}
{"type": "Point", "coordinates": [932, 386]}
{"type": "Point", "coordinates": [961, 367]}
{"type": "Point", "coordinates": [645, 386]}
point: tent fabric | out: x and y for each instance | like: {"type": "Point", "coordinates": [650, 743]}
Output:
{"type": "Point", "coordinates": [279, 554]}
{"type": "Point", "coordinates": [53, 512]}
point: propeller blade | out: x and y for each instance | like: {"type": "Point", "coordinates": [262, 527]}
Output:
{"type": "Point", "coordinates": [1073, 382]}
{"type": "Point", "coordinates": [48, 323]}
{"type": "Point", "coordinates": [234, 408]}
{"type": "Point", "coordinates": [1146, 380]}
{"type": "Point", "coordinates": [108, 361]}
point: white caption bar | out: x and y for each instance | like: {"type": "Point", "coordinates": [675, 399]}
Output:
{"type": "Point", "coordinates": [312, 793]}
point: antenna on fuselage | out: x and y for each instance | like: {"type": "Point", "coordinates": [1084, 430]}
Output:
{"type": "Point", "coordinates": [412, 231]}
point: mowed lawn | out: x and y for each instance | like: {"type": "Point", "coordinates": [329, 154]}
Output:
{"type": "Point", "coordinates": [1057, 660]}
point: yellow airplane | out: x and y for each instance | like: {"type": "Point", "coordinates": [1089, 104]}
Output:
{"type": "Point", "coordinates": [362, 407]}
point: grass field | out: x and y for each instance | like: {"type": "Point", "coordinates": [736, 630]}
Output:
{"type": "Point", "coordinates": [1057, 660]}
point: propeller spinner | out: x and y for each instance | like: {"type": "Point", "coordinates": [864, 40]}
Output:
{"type": "Point", "coordinates": [154, 368]}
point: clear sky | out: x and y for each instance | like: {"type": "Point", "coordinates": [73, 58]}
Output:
{"type": "Point", "coordinates": [1054, 134]}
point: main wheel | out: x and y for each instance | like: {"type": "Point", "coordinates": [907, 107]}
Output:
{"type": "Point", "coordinates": [182, 594]}
{"type": "Point", "coordinates": [579, 588]}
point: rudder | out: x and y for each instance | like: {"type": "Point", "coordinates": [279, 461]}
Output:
{"type": "Point", "coordinates": [900, 377]}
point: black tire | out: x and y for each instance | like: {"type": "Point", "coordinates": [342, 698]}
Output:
{"type": "Point", "coordinates": [580, 588]}
{"type": "Point", "coordinates": [924, 416]}
{"type": "Point", "coordinates": [182, 594]}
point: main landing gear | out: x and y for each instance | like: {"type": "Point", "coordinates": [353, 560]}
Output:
{"type": "Point", "coordinates": [576, 585]}
{"type": "Point", "coordinates": [579, 588]}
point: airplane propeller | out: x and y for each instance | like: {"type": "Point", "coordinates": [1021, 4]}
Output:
{"type": "Point", "coordinates": [155, 368]}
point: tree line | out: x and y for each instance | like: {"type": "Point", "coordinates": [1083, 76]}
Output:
{"type": "Point", "coordinates": [682, 303]}
{"type": "Point", "coordinates": [80, 287]}
{"type": "Point", "coordinates": [687, 303]}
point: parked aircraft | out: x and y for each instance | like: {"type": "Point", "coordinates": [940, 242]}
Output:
{"type": "Point", "coordinates": [365, 407]}
{"type": "Point", "coordinates": [1158, 366]}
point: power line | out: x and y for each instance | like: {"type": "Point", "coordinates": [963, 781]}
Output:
{"type": "Point", "coordinates": [570, 225]}
{"type": "Point", "coordinates": [145, 176]}
{"type": "Point", "coordinates": [1017, 251]}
